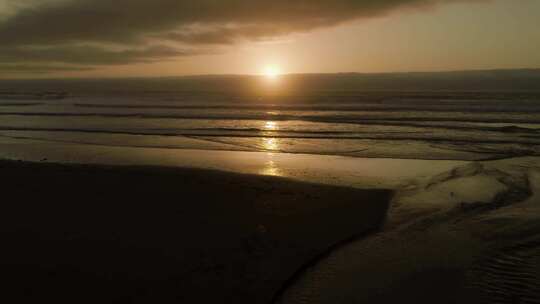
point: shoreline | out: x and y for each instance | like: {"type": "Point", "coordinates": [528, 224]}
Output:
{"type": "Point", "coordinates": [469, 210]}
{"type": "Point", "coordinates": [387, 173]}
{"type": "Point", "coordinates": [469, 235]}
{"type": "Point", "coordinates": [387, 148]}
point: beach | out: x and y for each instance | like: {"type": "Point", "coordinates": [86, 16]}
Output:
{"type": "Point", "coordinates": [469, 235]}
{"type": "Point", "coordinates": [203, 197]}
{"type": "Point", "coordinates": [269, 152]}
{"type": "Point", "coordinates": [90, 233]}
{"type": "Point", "coordinates": [330, 227]}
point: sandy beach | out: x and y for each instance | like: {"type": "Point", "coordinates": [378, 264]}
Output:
{"type": "Point", "coordinates": [89, 233]}
{"type": "Point", "coordinates": [118, 194]}
{"type": "Point", "coordinates": [269, 152]}
{"type": "Point", "coordinates": [166, 225]}
{"type": "Point", "coordinates": [163, 231]}
{"type": "Point", "coordinates": [469, 235]}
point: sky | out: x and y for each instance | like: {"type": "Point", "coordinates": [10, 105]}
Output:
{"type": "Point", "coordinates": [104, 38]}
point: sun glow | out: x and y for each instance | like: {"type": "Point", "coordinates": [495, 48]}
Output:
{"type": "Point", "coordinates": [272, 71]}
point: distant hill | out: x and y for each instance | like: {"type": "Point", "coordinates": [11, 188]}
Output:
{"type": "Point", "coordinates": [292, 84]}
{"type": "Point", "coordinates": [489, 80]}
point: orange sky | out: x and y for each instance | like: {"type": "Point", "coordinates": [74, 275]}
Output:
{"type": "Point", "coordinates": [458, 35]}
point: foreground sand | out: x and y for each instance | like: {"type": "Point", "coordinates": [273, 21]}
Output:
{"type": "Point", "coordinates": [456, 232]}
{"type": "Point", "coordinates": [469, 235]}
{"type": "Point", "coordinates": [102, 234]}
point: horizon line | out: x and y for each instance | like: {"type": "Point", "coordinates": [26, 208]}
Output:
{"type": "Point", "coordinates": [534, 69]}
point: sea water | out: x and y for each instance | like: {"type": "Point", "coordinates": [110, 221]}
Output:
{"type": "Point", "coordinates": [450, 125]}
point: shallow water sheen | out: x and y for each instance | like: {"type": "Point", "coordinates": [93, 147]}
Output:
{"type": "Point", "coordinates": [468, 127]}
{"type": "Point", "coordinates": [468, 235]}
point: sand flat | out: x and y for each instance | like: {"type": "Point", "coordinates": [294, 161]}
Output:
{"type": "Point", "coordinates": [356, 172]}
{"type": "Point", "coordinates": [96, 234]}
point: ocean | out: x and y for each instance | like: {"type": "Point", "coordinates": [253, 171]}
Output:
{"type": "Point", "coordinates": [461, 158]}
{"type": "Point", "coordinates": [425, 124]}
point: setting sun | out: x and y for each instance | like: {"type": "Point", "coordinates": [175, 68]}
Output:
{"type": "Point", "coordinates": [257, 151]}
{"type": "Point", "coordinates": [272, 71]}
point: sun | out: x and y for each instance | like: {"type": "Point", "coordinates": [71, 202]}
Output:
{"type": "Point", "coordinates": [272, 71]}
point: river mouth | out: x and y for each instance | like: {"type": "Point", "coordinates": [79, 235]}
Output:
{"type": "Point", "coordinates": [469, 235]}
{"type": "Point", "coordinates": [450, 224]}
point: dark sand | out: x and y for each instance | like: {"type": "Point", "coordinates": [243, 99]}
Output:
{"type": "Point", "coordinates": [104, 234]}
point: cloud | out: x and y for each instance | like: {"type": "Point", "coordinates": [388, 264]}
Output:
{"type": "Point", "coordinates": [96, 32]}
{"type": "Point", "coordinates": [90, 55]}
{"type": "Point", "coordinates": [7, 69]}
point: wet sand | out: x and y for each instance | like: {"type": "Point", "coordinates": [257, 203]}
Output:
{"type": "Point", "coordinates": [455, 231]}
{"type": "Point", "coordinates": [103, 234]}
{"type": "Point", "coordinates": [469, 235]}
{"type": "Point", "coordinates": [355, 172]}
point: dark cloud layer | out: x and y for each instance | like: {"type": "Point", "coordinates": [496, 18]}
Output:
{"type": "Point", "coordinates": [89, 55]}
{"type": "Point", "coordinates": [7, 69]}
{"type": "Point", "coordinates": [91, 32]}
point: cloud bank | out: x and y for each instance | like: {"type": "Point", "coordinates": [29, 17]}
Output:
{"type": "Point", "coordinates": [106, 32]}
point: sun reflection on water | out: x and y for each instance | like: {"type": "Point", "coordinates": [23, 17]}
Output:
{"type": "Point", "coordinates": [270, 144]}
{"type": "Point", "coordinates": [271, 168]}
{"type": "Point", "coordinates": [271, 126]}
